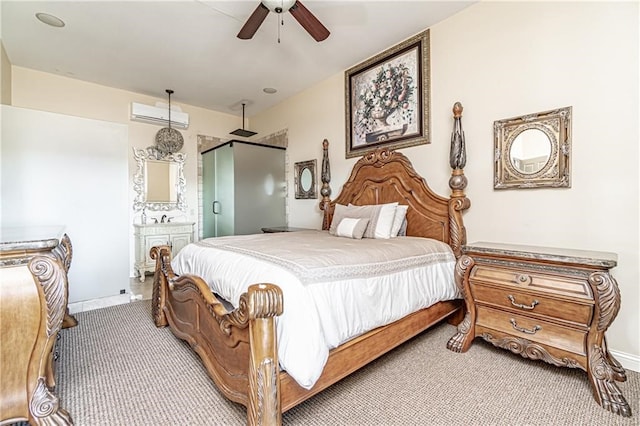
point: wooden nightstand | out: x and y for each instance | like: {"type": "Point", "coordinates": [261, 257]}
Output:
{"type": "Point", "coordinates": [544, 303]}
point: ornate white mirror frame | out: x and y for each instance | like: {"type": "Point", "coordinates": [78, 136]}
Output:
{"type": "Point", "coordinates": [305, 179]}
{"type": "Point", "coordinates": [533, 151]}
{"type": "Point", "coordinates": [174, 176]}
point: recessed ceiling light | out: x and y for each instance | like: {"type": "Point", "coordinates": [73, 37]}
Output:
{"type": "Point", "coordinates": [54, 21]}
{"type": "Point", "coordinates": [269, 90]}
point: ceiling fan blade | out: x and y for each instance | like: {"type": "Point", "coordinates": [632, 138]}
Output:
{"type": "Point", "coordinates": [309, 22]}
{"type": "Point", "coordinates": [253, 23]}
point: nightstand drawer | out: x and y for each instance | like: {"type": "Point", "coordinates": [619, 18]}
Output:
{"type": "Point", "coordinates": [550, 284]}
{"type": "Point", "coordinates": [536, 304]}
{"type": "Point", "coordinates": [533, 329]}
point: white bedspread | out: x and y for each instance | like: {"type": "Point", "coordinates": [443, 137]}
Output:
{"type": "Point", "coordinates": [334, 288]}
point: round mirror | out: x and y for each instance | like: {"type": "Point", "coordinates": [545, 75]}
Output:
{"type": "Point", "coordinates": [530, 151]}
{"type": "Point", "coordinates": [306, 179]}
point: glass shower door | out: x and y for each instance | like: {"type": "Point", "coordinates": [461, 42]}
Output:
{"type": "Point", "coordinates": [218, 192]}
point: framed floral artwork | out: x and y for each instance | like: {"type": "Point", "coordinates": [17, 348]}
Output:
{"type": "Point", "coordinates": [387, 98]}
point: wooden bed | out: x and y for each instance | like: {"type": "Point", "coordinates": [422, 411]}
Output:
{"type": "Point", "coordinates": [239, 349]}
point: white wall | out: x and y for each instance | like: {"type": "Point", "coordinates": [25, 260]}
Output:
{"type": "Point", "coordinates": [504, 59]}
{"type": "Point", "coordinates": [50, 92]}
{"type": "Point", "coordinates": [70, 171]}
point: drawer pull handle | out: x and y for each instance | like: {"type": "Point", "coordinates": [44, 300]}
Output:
{"type": "Point", "coordinates": [523, 279]}
{"type": "Point", "coordinates": [521, 306]}
{"type": "Point", "coordinates": [534, 330]}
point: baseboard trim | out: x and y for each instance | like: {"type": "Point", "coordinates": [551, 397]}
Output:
{"type": "Point", "coordinates": [628, 361]}
{"type": "Point", "coordinates": [102, 302]}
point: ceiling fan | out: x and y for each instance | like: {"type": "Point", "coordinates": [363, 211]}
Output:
{"type": "Point", "coordinates": [309, 22]}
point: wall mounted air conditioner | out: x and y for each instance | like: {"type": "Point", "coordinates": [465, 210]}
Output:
{"type": "Point", "coordinates": [159, 115]}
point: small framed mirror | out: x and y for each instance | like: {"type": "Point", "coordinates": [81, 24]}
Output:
{"type": "Point", "coordinates": [305, 179]}
{"type": "Point", "coordinates": [159, 181]}
{"type": "Point", "coordinates": [533, 151]}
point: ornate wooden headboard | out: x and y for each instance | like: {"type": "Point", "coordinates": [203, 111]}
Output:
{"type": "Point", "coordinates": [384, 176]}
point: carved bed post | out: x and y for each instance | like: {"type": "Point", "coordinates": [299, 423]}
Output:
{"type": "Point", "coordinates": [461, 341]}
{"type": "Point", "coordinates": [265, 303]}
{"type": "Point", "coordinates": [162, 256]}
{"type": "Point", "coordinates": [325, 191]}
{"type": "Point", "coordinates": [457, 183]}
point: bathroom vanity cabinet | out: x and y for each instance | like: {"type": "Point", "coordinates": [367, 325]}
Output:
{"type": "Point", "coordinates": [176, 235]}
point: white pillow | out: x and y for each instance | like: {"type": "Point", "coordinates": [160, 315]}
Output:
{"type": "Point", "coordinates": [401, 213]}
{"type": "Point", "coordinates": [351, 227]}
{"type": "Point", "coordinates": [385, 221]}
{"type": "Point", "coordinates": [380, 219]}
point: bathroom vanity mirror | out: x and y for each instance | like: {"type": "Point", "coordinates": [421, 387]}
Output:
{"type": "Point", "coordinates": [159, 180]}
{"type": "Point", "coordinates": [533, 151]}
{"type": "Point", "coordinates": [305, 179]}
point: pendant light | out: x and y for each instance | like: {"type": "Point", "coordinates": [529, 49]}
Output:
{"type": "Point", "coordinates": [242, 132]}
{"type": "Point", "coordinates": [169, 140]}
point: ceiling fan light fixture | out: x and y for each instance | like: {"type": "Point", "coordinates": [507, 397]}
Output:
{"type": "Point", "coordinates": [278, 6]}
{"type": "Point", "coordinates": [301, 14]}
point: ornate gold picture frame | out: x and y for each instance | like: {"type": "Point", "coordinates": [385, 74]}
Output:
{"type": "Point", "coordinates": [304, 179]}
{"type": "Point", "coordinates": [387, 98]}
{"type": "Point", "coordinates": [533, 151]}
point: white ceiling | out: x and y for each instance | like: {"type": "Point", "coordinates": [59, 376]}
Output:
{"type": "Point", "coordinates": [190, 46]}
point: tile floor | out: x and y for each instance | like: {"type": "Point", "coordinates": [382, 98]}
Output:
{"type": "Point", "coordinates": [141, 291]}
{"type": "Point", "coordinates": [137, 291]}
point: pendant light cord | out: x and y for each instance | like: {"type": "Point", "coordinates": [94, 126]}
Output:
{"type": "Point", "coordinates": [281, 19]}
{"type": "Point", "coordinates": [243, 116]}
{"type": "Point", "coordinates": [279, 22]}
{"type": "Point", "coordinates": [169, 92]}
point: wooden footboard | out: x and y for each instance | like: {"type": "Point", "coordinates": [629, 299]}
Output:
{"type": "Point", "coordinates": [239, 348]}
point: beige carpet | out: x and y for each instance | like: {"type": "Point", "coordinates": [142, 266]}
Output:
{"type": "Point", "coordinates": [117, 368]}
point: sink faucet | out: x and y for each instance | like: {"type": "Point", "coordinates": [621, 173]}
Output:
{"type": "Point", "coordinates": [164, 216]}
